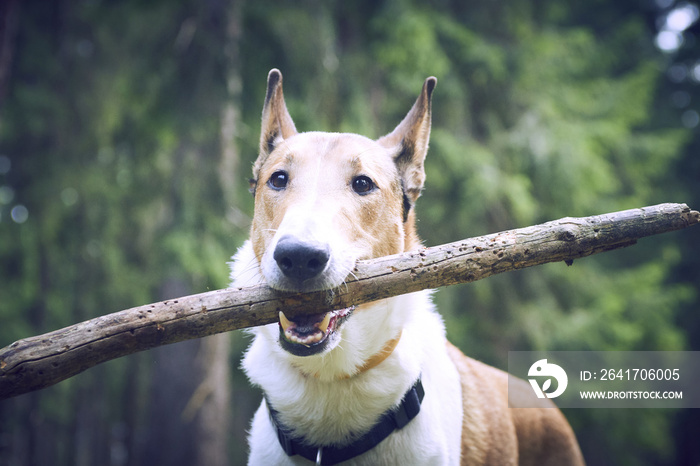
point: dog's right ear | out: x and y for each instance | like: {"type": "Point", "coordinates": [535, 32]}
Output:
{"type": "Point", "coordinates": [277, 125]}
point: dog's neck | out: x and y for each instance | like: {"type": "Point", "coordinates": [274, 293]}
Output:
{"type": "Point", "coordinates": [352, 404]}
{"type": "Point", "coordinates": [376, 359]}
{"type": "Point", "coordinates": [379, 357]}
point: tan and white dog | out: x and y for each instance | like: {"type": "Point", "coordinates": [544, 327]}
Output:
{"type": "Point", "coordinates": [377, 384]}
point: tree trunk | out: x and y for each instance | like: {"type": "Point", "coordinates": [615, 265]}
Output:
{"type": "Point", "coordinates": [9, 25]}
{"type": "Point", "coordinates": [210, 404]}
{"type": "Point", "coordinates": [175, 375]}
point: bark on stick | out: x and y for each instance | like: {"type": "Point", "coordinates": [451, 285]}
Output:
{"type": "Point", "coordinates": [40, 361]}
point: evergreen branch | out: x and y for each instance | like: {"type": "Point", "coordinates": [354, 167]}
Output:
{"type": "Point", "coordinates": [40, 361]}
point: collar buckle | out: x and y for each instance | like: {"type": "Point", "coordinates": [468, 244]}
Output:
{"type": "Point", "coordinates": [319, 456]}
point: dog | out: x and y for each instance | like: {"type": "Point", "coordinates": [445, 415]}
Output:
{"type": "Point", "coordinates": [376, 384]}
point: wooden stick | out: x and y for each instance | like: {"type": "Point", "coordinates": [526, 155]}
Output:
{"type": "Point", "coordinates": [41, 361]}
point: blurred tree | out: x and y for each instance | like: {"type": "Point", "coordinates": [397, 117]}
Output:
{"type": "Point", "coordinates": [8, 35]}
{"type": "Point", "coordinates": [678, 102]}
{"type": "Point", "coordinates": [117, 171]}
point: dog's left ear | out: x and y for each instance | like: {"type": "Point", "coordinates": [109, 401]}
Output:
{"type": "Point", "coordinates": [410, 142]}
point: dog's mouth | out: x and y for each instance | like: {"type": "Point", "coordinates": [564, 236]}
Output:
{"type": "Point", "coordinates": [310, 334]}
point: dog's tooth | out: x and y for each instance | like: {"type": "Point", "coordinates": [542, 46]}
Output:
{"type": "Point", "coordinates": [284, 321]}
{"type": "Point", "coordinates": [323, 326]}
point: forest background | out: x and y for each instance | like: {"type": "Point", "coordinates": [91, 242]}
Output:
{"type": "Point", "coordinates": [128, 130]}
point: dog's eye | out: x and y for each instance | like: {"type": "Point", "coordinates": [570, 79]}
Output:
{"type": "Point", "coordinates": [363, 185]}
{"type": "Point", "coordinates": [278, 180]}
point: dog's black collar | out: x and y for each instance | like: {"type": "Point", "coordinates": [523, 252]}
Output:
{"type": "Point", "coordinates": [390, 421]}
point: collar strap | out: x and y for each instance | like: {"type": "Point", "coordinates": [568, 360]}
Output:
{"type": "Point", "coordinates": [393, 419]}
{"type": "Point", "coordinates": [375, 360]}
{"type": "Point", "coordinates": [378, 358]}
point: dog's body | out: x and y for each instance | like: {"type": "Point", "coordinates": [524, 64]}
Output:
{"type": "Point", "coordinates": [322, 202]}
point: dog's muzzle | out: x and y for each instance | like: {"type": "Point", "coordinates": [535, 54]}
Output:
{"type": "Point", "coordinates": [303, 265]}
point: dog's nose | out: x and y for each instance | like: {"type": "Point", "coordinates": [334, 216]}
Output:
{"type": "Point", "coordinates": [298, 260]}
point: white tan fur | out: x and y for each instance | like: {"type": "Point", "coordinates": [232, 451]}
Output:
{"type": "Point", "coordinates": [312, 189]}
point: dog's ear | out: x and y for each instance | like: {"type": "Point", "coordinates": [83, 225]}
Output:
{"type": "Point", "coordinates": [410, 142]}
{"type": "Point", "coordinates": [277, 125]}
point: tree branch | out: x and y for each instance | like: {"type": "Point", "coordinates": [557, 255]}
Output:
{"type": "Point", "coordinates": [41, 361]}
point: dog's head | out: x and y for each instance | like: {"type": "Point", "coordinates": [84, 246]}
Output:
{"type": "Point", "coordinates": [325, 200]}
